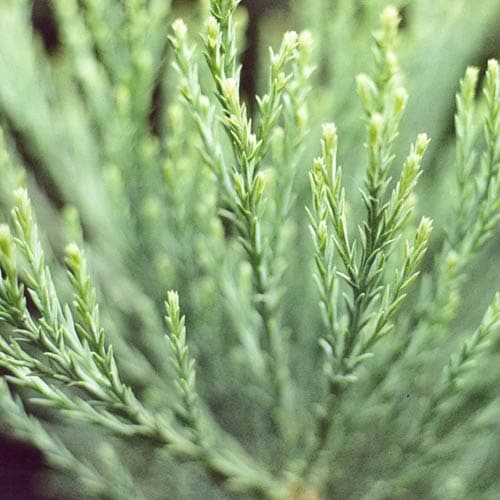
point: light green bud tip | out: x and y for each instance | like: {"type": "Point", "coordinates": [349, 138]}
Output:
{"type": "Point", "coordinates": [5, 240]}
{"type": "Point", "coordinates": [390, 18]}
{"type": "Point", "coordinates": [317, 164]}
{"type": "Point", "coordinates": [21, 196]}
{"type": "Point", "coordinates": [180, 29]}
{"type": "Point", "coordinates": [73, 253]}
{"type": "Point", "coordinates": [330, 135]}
{"type": "Point", "coordinates": [468, 85]}
{"type": "Point", "coordinates": [281, 80]}
{"type": "Point", "coordinates": [230, 89]}
{"type": "Point", "coordinates": [173, 299]}
{"type": "Point", "coordinates": [290, 40]}
{"type": "Point", "coordinates": [471, 76]}
{"type": "Point", "coordinates": [421, 143]}
{"type": "Point", "coordinates": [252, 141]}
{"type": "Point", "coordinates": [493, 67]}
{"type": "Point", "coordinates": [212, 30]}
{"type": "Point", "coordinates": [424, 229]}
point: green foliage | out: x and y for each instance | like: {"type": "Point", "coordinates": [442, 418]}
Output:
{"type": "Point", "coordinates": [343, 363]}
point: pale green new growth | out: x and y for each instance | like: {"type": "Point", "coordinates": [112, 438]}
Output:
{"type": "Point", "coordinates": [344, 365]}
{"type": "Point", "coordinates": [183, 365]}
{"type": "Point", "coordinates": [375, 297]}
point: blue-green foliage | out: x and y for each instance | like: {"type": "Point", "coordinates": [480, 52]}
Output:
{"type": "Point", "coordinates": [332, 242]}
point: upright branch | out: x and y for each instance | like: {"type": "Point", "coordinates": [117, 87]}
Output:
{"type": "Point", "coordinates": [362, 263]}
{"type": "Point", "coordinates": [476, 213]}
{"type": "Point", "coordinates": [200, 106]}
{"type": "Point", "coordinates": [478, 200]}
{"type": "Point", "coordinates": [248, 181]}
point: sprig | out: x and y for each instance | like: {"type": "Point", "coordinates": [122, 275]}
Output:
{"type": "Point", "coordinates": [248, 181]}
{"type": "Point", "coordinates": [364, 260]}
{"type": "Point", "coordinates": [373, 303]}
{"type": "Point", "coordinates": [201, 107]}
{"type": "Point", "coordinates": [67, 358]}
{"type": "Point", "coordinates": [74, 354]}
{"type": "Point", "coordinates": [183, 366]}
{"type": "Point", "coordinates": [478, 205]}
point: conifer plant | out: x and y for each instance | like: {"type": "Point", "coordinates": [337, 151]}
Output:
{"type": "Point", "coordinates": [328, 352]}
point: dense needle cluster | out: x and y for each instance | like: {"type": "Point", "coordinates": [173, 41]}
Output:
{"type": "Point", "coordinates": [329, 363]}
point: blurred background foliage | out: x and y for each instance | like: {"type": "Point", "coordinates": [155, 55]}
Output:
{"type": "Point", "coordinates": [67, 151]}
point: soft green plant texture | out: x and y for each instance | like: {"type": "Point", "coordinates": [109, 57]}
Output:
{"type": "Point", "coordinates": [334, 352]}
